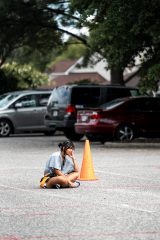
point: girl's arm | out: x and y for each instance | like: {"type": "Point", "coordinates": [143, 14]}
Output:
{"type": "Point", "coordinates": [75, 164]}
{"type": "Point", "coordinates": [58, 172]}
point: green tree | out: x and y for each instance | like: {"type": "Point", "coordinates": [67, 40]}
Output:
{"type": "Point", "coordinates": [72, 49]}
{"type": "Point", "coordinates": [150, 79]}
{"type": "Point", "coordinates": [121, 30]}
{"type": "Point", "coordinates": [33, 57]}
{"type": "Point", "coordinates": [31, 32]}
{"type": "Point", "coordinates": [18, 77]}
{"type": "Point", "coordinates": [34, 23]}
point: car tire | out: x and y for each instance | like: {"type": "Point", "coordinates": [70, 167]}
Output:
{"type": "Point", "coordinates": [5, 128]}
{"type": "Point", "coordinates": [72, 135]}
{"type": "Point", "coordinates": [125, 133]}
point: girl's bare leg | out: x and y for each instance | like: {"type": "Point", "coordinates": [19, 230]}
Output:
{"type": "Point", "coordinates": [57, 180]}
{"type": "Point", "coordinates": [66, 181]}
{"type": "Point", "coordinates": [72, 177]}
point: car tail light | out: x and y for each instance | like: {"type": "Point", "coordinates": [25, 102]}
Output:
{"type": "Point", "coordinates": [87, 117]}
{"type": "Point", "coordinates": [94, 117]}
{"type": "Point", "coordinates": [70, 109]}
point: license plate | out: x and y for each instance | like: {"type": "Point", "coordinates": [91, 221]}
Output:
{"type": "Point", "coordinates": [84, 118]}
{"type": "Point", "coordinates": [55, 113]}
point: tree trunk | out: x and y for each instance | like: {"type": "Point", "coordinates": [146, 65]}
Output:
{"type": "Point", "coordinates": [117, 77]}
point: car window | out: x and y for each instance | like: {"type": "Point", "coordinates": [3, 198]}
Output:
{"type": "Point", "coordinates": [134, 92]}
{"type": "Point", "coordinates": [6, 99]}
{"type": "Point", "coordinates": [42, 99]}
{"type": "Point", "coordinates": [28, 101]}
{"type": "Point", "coordinates": [113, 93]}
{"type": "Point", "coordinates": [59, 96]}
{"type": "Point", "coordinates": [85, 96]}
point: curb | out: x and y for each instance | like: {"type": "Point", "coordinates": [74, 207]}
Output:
{"type": "Point", "coordinates": [132, 145]}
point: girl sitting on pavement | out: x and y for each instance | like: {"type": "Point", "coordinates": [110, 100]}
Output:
{"type": "Point", "coordinates": [61, 169]}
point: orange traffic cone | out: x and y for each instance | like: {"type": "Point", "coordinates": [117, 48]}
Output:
{"type": "Point", "coordinates": [87, 171]}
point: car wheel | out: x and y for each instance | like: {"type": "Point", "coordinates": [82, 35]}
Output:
{"type": "Point", "coordinates": [5, 128]}
{"type": "Point", "coordinates": [125, 133]}
{"type": "Point", "coordinates": [72, 135]}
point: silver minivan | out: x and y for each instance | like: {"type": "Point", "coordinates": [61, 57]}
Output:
{"type": "Point", "coordinates": [23, 111]}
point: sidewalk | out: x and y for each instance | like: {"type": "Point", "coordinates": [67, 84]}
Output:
{"type": "Point", "coordinates": [136, 143]}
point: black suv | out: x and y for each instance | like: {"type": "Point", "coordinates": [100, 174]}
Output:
{"type": "Point", "coordinates": [66, 100]}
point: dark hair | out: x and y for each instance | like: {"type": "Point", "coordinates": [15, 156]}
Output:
{"type": "Point", "coordinates": [65, 145]}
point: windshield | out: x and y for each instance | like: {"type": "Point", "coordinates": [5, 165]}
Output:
{"type": "Point", "coordinates": [5, 99]}
{"type": "Point", "coordinates": [112, 104]}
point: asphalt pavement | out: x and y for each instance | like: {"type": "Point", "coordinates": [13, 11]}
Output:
{"type": "Point", "coordinates": [122, 204]}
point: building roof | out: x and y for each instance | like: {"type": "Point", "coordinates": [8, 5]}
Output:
{"type": "Point", "coordinates": [63, 66]}
{"type": "Point", "coordinates": [76, 77]}
{"type": "Point", "coordinates": [71, 71]}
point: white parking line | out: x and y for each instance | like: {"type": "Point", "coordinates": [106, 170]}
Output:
{"type": "Point", "coordinates": [122, 175]}
{"type": "Point", "coordinates": [39, 191]}
{"type": "Point", "coordinates": [15, 168]}
{"type": "Point", "coordinates": [134, 208]}
{"type": "Point", "coordinates": [126, 206]}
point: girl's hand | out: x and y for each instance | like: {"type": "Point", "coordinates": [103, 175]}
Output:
{"type": "Point", "coordinates": [70, 153]}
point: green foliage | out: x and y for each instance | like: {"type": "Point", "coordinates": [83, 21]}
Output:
{"type": "Point", "coordinates": [17, 77]}
{"type": "Point", "coordinates": [34, 57]}
{"type": "Point", "coordinates": [121, 30]}
{"type": "Point", "coordinates": [149, 80]}
{"type": "Point", "coordinates": [33, 23]}
{"type": "Point", "coordinates": [74, 51]}
{"type": "Point", "coordinates": [71, 50]}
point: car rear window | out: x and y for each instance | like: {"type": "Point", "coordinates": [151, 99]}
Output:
{"type": "Point", "coordinates": [60, 95]}
{"type": "Point", "coordinates": [85, 96]}
{"type": "Point", "coordinates": [112, 104]}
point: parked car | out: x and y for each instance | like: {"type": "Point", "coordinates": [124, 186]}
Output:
{"type": "Point", "coordinates": [122, 119]}
{"type": "Point", "coordinates": [23, 111]}
{"type": "Point", "coordinates": [66, 100]}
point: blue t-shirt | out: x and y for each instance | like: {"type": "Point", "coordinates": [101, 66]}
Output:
{"type": "Point", "coordinates": [55, 161]}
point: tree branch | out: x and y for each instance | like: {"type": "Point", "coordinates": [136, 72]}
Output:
{"type": "Point", "coordinates": [62, 12]}
{"type": "Point", "coordinates": [73, 35]}
{"type": "Point", "coordinates": [60, 2]}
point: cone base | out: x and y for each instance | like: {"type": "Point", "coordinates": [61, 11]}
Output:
{"type": "Point", "coordinates": [88, 179]}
